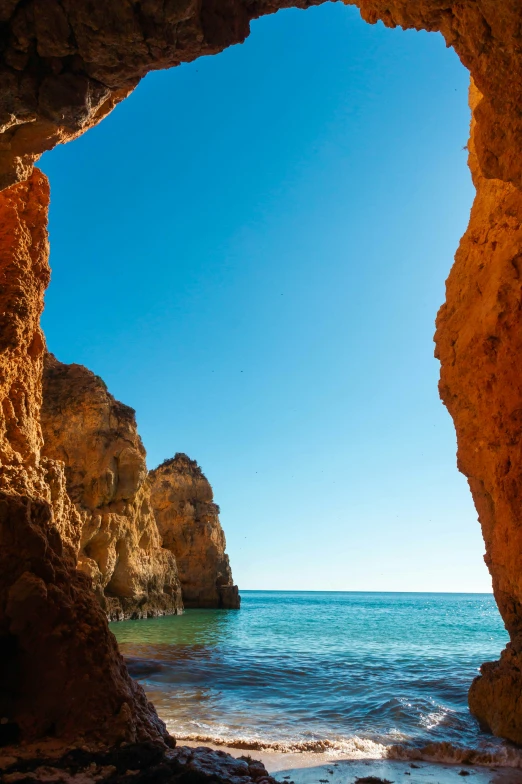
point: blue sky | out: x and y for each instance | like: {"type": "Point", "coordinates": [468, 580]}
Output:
{"type": "Point", "coordinates": [251, 251]}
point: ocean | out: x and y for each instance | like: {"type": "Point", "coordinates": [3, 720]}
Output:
{"type": "Point", "coordinates": [362, 675]}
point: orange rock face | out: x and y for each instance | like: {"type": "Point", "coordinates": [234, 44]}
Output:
{"type": "Point", "coordinates": [25, 275]}
{"type": "Point", "coordinates": [479, 343]}
{"type": "Point", "coordinates": [120, 548]}
{"type": "Point", "coordinates": [60, 670]}
{"type": "Point", "coordinates": [188, 521]}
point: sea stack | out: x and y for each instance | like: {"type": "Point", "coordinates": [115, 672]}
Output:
{"type": "Point", "coordinates": [188, 521]}
{"type": "Point", "coordinates": [151, 542]}
{"type": "Point", "coordinates": [106, 476]}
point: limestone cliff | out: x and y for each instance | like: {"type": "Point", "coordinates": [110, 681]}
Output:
{"type": "Point", "coordinates": [188, 521]}
{"type": "Point", "coordinates": [96, 438]}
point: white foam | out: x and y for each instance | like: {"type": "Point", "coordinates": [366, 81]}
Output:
{"type": "Point", "coordinates": [358, 748]}
{"type": "Point", "coordinates": [352, 748]}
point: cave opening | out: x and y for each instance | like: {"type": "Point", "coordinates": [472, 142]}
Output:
{"type": "Point", "coordinates": [292, 286]}
{"type": "Point", "coordinates": [360, 278]}
{"type": "Point", "coordinates": [45, 599]}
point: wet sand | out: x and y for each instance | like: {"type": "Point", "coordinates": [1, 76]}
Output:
{"type": "Point", "coordinates": [311, 768]}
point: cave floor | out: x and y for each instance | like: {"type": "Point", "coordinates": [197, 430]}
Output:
{"type": "Point", "coordinates": [313, 768]}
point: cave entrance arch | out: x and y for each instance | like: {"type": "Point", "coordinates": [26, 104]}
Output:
{"type": "Point", "coordinates": [64, 68]}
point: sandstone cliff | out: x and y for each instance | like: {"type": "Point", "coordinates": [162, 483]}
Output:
{"type": "Point", "coordinates": [120, 548]}
{"type": "Point", "coordinates": [188, 521]}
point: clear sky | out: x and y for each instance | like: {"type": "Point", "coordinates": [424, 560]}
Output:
{"type": "Point", "coordinates": [251, 251]}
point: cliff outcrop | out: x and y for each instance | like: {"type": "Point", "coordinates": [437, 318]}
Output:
{"type": "Point", "coordinates": [188, 521]}
{"type": "Point", "coordinates": [95, 437]}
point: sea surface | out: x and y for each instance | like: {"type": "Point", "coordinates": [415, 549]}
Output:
{"type": "Point", "coordinates": [353, 674]}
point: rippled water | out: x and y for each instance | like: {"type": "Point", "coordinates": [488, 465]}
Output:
{"type": "Point", "coordinates": [352, 672]}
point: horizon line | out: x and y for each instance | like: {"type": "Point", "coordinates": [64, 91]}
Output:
{"type": "Point", "coordinates": [320, 590]}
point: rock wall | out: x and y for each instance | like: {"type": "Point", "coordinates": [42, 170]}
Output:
{"type": "Point", "coordinates": [188, 521]}
{"type": "Point", "coordinates": [479, 343]}
{"type": "Point", "coordinates": [120, 548]}
{"type": "Point", "coordinates": [63, 66]}
{"type": "Point", "coordinates": [60, 671]}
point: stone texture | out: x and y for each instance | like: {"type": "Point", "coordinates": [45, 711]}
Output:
{"type": "Point", "coordinates": [188, 521]}
{"type": "Point", "coordinates": [24, 272]}
{"type": "Point", "coordinates": [134, 764]}
{"type": "Point", "coordinates": [479, 343]}
{"type": "Point", "coordinates": [60, 670]}
{"type": "Point", "coordinates": [96, 438]}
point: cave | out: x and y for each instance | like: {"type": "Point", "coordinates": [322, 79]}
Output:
{"type": "Point", "coordinates": [65, 65]}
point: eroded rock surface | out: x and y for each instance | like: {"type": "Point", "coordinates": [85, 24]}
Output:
{"type": "Point", "coordinates": [188, 521]}
{"type": "Point", "coordinates": [96, 438]}
{"type": "Point", "coordinates": [136, 764]}
{"type": "Point", "coordinates": [60, 670]}
{"type": "Point", "coordinates": [479, 343]}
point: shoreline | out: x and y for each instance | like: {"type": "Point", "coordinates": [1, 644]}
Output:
{"type": "Point", "coordinates": [324, 768]}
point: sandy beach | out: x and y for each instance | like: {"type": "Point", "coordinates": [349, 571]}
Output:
{"type": "Point", "coordinates": [312, 768]}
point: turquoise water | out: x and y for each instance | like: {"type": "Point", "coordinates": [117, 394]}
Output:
{"type": "Point", "coordinates": [354, 673]}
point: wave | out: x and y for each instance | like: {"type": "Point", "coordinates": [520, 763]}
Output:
{"type": "Point", "coordinates": [354, 748]}
{"type": "Point", "coordinates": [357, 748]}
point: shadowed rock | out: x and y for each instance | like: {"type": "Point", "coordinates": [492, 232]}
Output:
{"type": "Point", "coordinates": [139, 764]}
